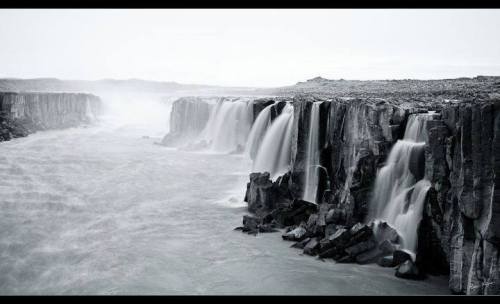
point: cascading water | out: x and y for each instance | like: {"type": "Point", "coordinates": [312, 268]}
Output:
{"type": "Point", "coordinates": [312, 156]}
{"type": "Point", "coordinates": [88, 110]}
{"type": "Point", "coordinates": [400, 187]}
{"type": "Point", "coordinates": [273, 155]}
{"type": "Point", "coordinates": [257, 132]}
{"type": "Point", "coordinates": [228, 126]}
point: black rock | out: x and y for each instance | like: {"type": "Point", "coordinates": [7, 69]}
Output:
{"type": "Point", "coordinates": [361, 247]}
{"type": "Point", "coordinates": [387, 247]}
{"type": "Point", "coordinates": [312, 247]}
{"type": "Point", "coordinates": [408, 270]}
{"type": "Point", "coordinates": [301, 244]}
{"type": "Point", "coordinates": [297, 234]}
{"type": "Point", "coordinates": [251, 222]}
{"type": "Point", "coordinates": [384, 231]}
{"type": "Point", "coordinates": [386, 261]}
{"type": "Point", "coordinates": [401, 256]}
{"type": "Point", "coordinates": [330, 229]}
{"type": "Point", "coordinates": [369, 256]}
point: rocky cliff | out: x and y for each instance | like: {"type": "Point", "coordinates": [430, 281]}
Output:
{"type": "Point", "coordinates": [25, 113]}
{"type": "Point", "coordinates": [459, 229]}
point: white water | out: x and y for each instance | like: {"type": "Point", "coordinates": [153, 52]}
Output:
{"type": "Point", "coordinates": [273, 155]}
{"type": "Point", "coordinates": [257, 132]}
{"type": "Point", "coordinates": [228, 126]}
{"type": "Point", "coordinates": [398, 198]}
{"type": "Point", "coordinates": [312, 156]}
{"type": "Point", "coordinates": [102, 210]}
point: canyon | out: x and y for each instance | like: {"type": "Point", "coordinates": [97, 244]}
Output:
{"type": "Point", "coordinates": [399, 173]}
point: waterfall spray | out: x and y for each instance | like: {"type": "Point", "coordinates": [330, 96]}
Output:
{"type": "Point", "coordinates": [228, 126]}
{"type": "Point", "coordinates": [273, 155]}
{"type": "Point", "coordinates": [400, 191]}
{"type": "Point", "coordinates": [257, 132]}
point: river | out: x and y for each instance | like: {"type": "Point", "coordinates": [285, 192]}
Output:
{"type": "Point", "coordinates": [103, 210]}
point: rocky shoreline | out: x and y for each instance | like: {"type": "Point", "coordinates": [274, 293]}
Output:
{"type": "Point", "coordinates": [24, 113]}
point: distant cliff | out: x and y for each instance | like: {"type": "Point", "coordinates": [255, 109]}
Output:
{"type": "Point", "coordinates": [25, 113]}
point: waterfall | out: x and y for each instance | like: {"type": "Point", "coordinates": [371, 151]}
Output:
{"type": "Point", "coordinates": [273, 155]}
{"type": "Point", "coordinates": [400, 187]}
{"type": "Point", "coordinates": [88, 110]}
{"type": "Point", "coordinates": [312, 156]}
{"type": "Point", "coordinates": [257, 132]}
{"type": "Point", "coordinates": [228, 126]}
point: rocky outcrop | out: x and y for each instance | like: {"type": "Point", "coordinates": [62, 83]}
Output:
{"type": "Point", "coordinates": [463, 213]}
{"type": "Point", "coordinates": [188, 117]}
{"type": "Point", "coordinates": [25, 113]}
{"type": "Point", "coordinates": [459, 231]}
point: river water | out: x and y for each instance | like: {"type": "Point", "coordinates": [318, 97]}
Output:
{"type": "Point", "coordinates": [103, 210]}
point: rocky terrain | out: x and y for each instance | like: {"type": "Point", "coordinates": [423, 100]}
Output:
{"type": "Point", "coordinates": [458, 234]}
{"type": "Point", "coordinates": [25, 113]}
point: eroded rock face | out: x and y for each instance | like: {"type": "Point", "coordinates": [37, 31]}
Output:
{"type": "Point", "coordinates": [25, 113]}
{"type": "Point", "coordinates": [462, 217]}
{"type": "Point", "coordinates": [188, 117]}
{"type": "Point", "coordinates": [460, 226]}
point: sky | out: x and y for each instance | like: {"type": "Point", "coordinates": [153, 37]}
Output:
{"type": "Point", "coordinates": [262, 48]}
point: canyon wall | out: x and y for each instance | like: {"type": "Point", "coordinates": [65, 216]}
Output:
{"type": "Point", "coordinates": [459, 222]}
{"type": "Point", "coordinates": [459, 230]}
{"type": "Point", "coordinates": [25, 113]}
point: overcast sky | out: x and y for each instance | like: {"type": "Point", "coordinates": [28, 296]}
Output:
{"type": "Point", "coordinates": [249, 47]}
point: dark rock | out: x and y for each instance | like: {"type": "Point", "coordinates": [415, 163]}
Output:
{"type": "Point", "coordinates": [312, 247]}
{"type": "Point", "coordinates": [335, 216]}
{"type": "Point", "coordinates": [267, 228]}
{"type": "Point", "coordinates": [401, 256]}
{"type": "Point", "coordinates": [301, 244]}
{"type": "Point", "coordinates": [340, 237]}
{"type": "Point", "coordinates": [250, 222]}
{"type": "Point", "coordinates": [296, 234]}
{"type": "Point", "coordinates": [361, 247]}
{"type": "Point", "coordinates": [384, 231]}
{"type": "Point", "coordinates": [370, 256]}
{"type": "Point", "coordinates": [345, 259]}
{"type": "Point", "coordinates": [386, 261]}
{"type": "Point", "coordinates": [408, 270]}
{"type": "Point", "coordinates": [387, 247]}
{"type": "Point", "coordinates": [331, 229]}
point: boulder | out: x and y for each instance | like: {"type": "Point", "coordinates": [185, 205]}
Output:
{"type": "Point", "coordinates": [401, 256]}
{"type": "Point", "coordinates": [297, 234]}
{"type": "Point", "coordinates": [250, 222]}
{"type": "Point", "coordinates": [361, 247]}
{"type": "Point", "coordinates": [408, 270]}
{"type": "Point", "coordinates": [387, 247]}
{"type": "Point", "coordinates": [386, 261]}
{"type": "Point", "coordinates": [301, 244]}
{"type": "Point", "coordinates": [383, 231]}
{"type": "Point", "coordinates": [312, 247]}
{"type": "Point", "coordinates": [370, 256]}
{"type": "Point", "coordinates": [330, 229]}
